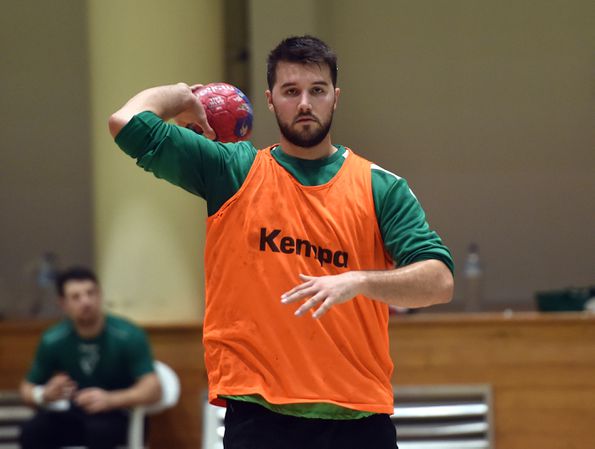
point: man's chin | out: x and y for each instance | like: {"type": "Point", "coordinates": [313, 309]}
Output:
{"type": "Point", "coordinates": [304, 134]}
{"type": "Point", "coordinates": [306, 138]}
{"type": "Point", "coordinates": [87, 322]}
{"type": "Point", "coordinates": [309, 142]}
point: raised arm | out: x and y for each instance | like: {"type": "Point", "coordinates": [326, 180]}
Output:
{"type": "Point", "coordinates": [176, 101]}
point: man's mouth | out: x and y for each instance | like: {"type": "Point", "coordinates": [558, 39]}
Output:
{"type": "Point", "coordinates": [306, 118]}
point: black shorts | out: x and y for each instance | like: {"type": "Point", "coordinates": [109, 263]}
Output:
{"type": "Point", "coordinates": [75, 427]}
{"type": "Point", "coordinates": [251, 426]}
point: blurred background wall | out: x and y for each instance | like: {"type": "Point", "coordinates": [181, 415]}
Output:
{"type": "Point", "coordinates": [148, 234]}
{"type": "Point", "coordinates": [486, 108]}
{"type": "Point", "coordinates": [45, 156]}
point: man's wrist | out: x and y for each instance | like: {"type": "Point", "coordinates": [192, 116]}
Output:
{"type": "Point", "coordinates": [362, 280]}
{"type": "Point", "coordinates": [37, 394]}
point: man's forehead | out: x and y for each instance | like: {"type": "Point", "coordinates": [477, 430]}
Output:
{"type": "Point", "coordinates": [295, 73]}
{"type": "Point", "coordinates": [79, 284]}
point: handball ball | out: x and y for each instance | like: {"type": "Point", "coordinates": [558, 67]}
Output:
{"type": "Point", "coordinates": [228, 109]}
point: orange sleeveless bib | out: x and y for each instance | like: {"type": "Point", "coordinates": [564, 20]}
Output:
{"type": "Point", "coordinates": [270, 231]}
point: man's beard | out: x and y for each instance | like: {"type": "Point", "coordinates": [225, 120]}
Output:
{"type": "Point", "coordinates": [310, 136]}
{"type": "Point", "coordinates": [89, 321]}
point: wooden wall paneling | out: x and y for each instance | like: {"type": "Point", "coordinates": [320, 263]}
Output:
{"type": "Point", "coordinates": [180, 346]}
{"type": "Point", "coordinates": [541, 369]}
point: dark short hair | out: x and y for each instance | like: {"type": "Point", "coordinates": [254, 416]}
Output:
{"type": "Point", "coordinates": [73, 274]}
{"type": "Point", "coordinates": [303, 50]}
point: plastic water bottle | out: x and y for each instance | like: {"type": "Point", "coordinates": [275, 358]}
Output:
{"type": "Point", "coordinates": [473, 279]}
{"type": "Point", "coordinates": [45, 301]}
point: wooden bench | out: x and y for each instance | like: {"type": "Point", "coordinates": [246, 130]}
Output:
{"type": "Point", "coordinates": [12, 414]}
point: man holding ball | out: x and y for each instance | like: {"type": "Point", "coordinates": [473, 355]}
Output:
{"type": "Point", "coordinates": [307, 246]}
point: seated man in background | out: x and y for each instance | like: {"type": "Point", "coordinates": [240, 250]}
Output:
{"type": "Point", "coordinates": [88, 370]}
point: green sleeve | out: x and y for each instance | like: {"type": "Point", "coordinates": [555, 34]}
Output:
{"type": "Point", "coordinates": [212, 170]}
{"type": "Point", "coordinates": [402, 221]}
{"type": "Point", "coordinates": [42, 368]}
{"type": "Point", "coordinates": [140, 356]}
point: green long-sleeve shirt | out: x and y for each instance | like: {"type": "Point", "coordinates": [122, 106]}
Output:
{"type": "Point", "coordinates": [215, 171]}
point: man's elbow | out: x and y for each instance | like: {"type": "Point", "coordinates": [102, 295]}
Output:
{"type": "Point", "coordinates": [116, 122]}
{"type": "Point", "coordinates": [445, 287]}
{"type": "Point", "coordinates": [154, 392]}
{"type": "Point", "coordinates": [157, 393]}
{"type": "Point", "coordinates": [25, 391]}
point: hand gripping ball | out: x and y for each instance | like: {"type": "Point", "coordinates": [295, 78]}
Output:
{"type": "Point", "coordinates": [228, 110]}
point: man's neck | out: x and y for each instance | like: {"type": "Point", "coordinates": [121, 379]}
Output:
{"type": "Point", "coordinates": [322, 150]}
{"type": "Point", "coordinates": [90, 330]}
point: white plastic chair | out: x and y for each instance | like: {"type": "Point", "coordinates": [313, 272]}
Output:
{"type": "Point", "coordinates": [170, 394]}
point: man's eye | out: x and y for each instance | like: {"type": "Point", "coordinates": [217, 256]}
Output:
{"type": "Point", "coordinates": [291, 92]}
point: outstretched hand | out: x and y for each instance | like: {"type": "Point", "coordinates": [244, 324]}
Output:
{"type": "Point", "coordinates": [323, 291]}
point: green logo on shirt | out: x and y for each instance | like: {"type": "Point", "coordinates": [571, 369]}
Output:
{"type": "Point", "coordinates": [88, 357]}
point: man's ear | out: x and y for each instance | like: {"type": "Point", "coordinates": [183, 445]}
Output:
{"type": "Point", "coordinates": [337, 92]}
{"type": "Point", "coordinates": [269, 96]}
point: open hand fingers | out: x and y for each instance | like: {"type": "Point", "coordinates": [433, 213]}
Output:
{"type": "Point", "coordinates": [298, 292]}
{"type": "Point", "coordinates": [309, 289]}
{"type": "Point", "coordinates": [325, 291]}
{"type": "Point", "coordinates": [324, 307]}
{"type": "Point", "coordinates": [310, 303]}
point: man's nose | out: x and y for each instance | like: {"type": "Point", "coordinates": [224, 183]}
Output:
{"type": "Point", "coordinates": [305, 103]}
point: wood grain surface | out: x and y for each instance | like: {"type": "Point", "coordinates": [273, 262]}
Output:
{"type": "Point", "coordinates": [541, 368]}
